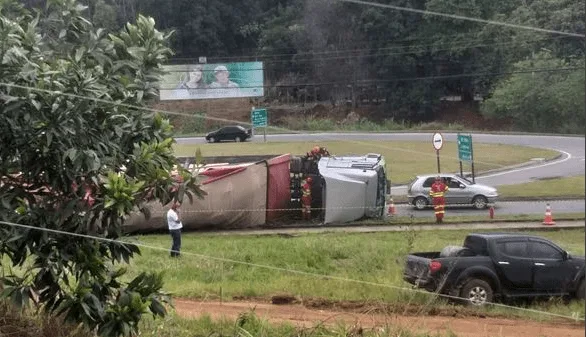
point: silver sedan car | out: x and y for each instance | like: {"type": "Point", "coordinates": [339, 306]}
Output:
{"type": "Point", "coordinates": [461, 191]}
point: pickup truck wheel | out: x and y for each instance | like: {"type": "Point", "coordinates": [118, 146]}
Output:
{"type": "Point", "coordinates": [480, 202]}
{"type": "Point", "coordinates": [420, 203]}
{"type": "Point", "coordinates": [476, 292]}
{"type": "Point", "coordinates": [581, 293]}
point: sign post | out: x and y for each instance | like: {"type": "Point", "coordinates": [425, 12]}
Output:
{"type": "Point", "coordinates": [438, 142]}
{"type": "Point", "coordinates": [466, 153]}
{"type": "Point", "coordinates": [259, 117]}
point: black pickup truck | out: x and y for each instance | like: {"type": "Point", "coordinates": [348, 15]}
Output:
{"type": "Point", "coordinates": [498, 265]}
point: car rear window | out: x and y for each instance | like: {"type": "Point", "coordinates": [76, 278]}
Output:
{"type": "Point", "coordinates": [411, 183]}
{"type": "Point", "coordinates": [477, 244]}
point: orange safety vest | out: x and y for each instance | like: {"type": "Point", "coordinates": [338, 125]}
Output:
{"type": "Point", "coordinates": [438, 190]}
{"type": "Point", "coordinates": [306, 189]}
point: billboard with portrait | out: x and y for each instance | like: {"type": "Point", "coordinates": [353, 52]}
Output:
{"type": "Point", "coordinates": [214, 80]}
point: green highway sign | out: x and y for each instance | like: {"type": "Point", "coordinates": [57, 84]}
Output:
{"type": "Point", "coordinates": [465, 147]}
{"type": "Point", "coordinates": [259, 117]}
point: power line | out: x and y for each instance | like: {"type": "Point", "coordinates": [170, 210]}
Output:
{"type": "Point", "coordinates": [455, 47]}
{"type": "Point", "coordinates": [280, 269]}
{"type": "Point", "coordinates": [223, 120]}
{"type": "Point", "coordinates": [460, 17]}
{"type": "Point", "coordinates": [232, 121]}
{"type": "Point", "coordinates": [404, 79]}
{"type": "Point", "coordinates": [411, 39]}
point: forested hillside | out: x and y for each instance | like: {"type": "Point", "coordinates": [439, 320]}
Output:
{"type": "Point", "coordinates": [344, 53]}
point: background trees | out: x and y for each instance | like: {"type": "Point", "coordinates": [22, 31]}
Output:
{"type": "Point", "coordinates": [333, 51]}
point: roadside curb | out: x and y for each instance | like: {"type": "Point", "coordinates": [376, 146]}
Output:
{"type": "Point", "coordinates": [399, 200]}
{"type": "Point", "coordinates": [512, 167]}
{"type": "Point", "coordinates": [289, 230]}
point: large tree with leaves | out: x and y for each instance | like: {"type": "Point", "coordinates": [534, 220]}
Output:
{"type": "Point", "coordinates": [78, 154]}
{"type": "Point", "coordinates": [550, 101]}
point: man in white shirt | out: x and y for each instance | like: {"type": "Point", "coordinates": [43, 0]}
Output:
{"type": "Point", "coordinates": [174, 229]}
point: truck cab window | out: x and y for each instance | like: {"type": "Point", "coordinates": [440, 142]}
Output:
{"type": "Point", "coordinates": [514, 248]}
{"type": "Point", "coordinates": [540, 250]}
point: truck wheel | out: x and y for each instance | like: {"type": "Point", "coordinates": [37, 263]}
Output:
{"type": "Point", "coordinates": [420, 203]}
{"type": "Point", "coordinates": [237, 139]}
{"type": "Point", "coordinates": [476, 292]}
{"type": "Point", "coordinates": [581, 293]}
{"type": "Point", "coordinates": [212, 140]}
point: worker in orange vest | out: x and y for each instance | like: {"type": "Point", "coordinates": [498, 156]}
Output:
{"type": "Point", "coordinates": [317, 152]}
{"type": "Point", "coordinates": [306, 198]}
{"type": "Point", "coordinates": [438, 189]}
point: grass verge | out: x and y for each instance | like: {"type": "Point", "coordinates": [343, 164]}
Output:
{"type": "Point", "coordinates": [460, 219]}
{"type": "Point", "coordinates": [367, 266]}
{"type": "Point", "coordinates": [26, 323]}
{"type": "Point", "coordinates": [404, 159]}
{"type": "Point", "coordinates": [250, 324]}
{"type": "Point", "coordinates": [570, 187]}
{"type": "Point", "coordinates": [546, 189]}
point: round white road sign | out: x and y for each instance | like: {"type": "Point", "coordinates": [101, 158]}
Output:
{"type": "Point", "coordinates": [438, 141]}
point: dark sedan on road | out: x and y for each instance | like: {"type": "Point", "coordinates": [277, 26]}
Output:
{"type": "Point", "coordinates": [234, 133]}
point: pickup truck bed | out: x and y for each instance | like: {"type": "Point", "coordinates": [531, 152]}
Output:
{"type": "Point", "coordinates": [496, 265]}
{"type": "Point", "coordinates": [419, 270]}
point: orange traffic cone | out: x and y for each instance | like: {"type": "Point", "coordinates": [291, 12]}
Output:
{"type": "Point", "coordinates": [392, 210]}
{"type": "Point", "coordinates": [548, 220]}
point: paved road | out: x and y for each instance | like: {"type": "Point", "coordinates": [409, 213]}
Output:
{"type": "Point", "coordinates": [570, 163]}
{"type": "Point", "coordinates": [507, 207]}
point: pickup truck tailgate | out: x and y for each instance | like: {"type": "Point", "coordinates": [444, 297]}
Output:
{"type": "Point", "coordinates": [417, 267]}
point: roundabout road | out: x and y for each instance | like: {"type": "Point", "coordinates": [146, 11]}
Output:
{"type": "Point", "coordinates": [502, 208]}
{"type": "Point", "coordinates": [570, 163]}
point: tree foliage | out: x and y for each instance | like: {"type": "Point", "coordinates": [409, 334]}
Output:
{"type": "Point", "coordinates": [542, 101]}
{"type": "Point", "coordinates": [78, 154]}
{"type": "Point", "coordinates": [345, 52]}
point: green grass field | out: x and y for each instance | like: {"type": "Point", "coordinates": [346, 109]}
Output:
{"type": "Point", "coordinates": [404, 159]}
{"type": "Point", "coordinates": [250, 324]}
{"type": "Point", "coordinates": [451, 219]}
{"type": "Point", "coordinates": [352, 258]}
{"type": "Point", "coordinates": [568, 187]}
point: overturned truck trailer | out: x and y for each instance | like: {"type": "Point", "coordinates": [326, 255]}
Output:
{"type": "Point", "coordinates": [266, 191]}
{"type": "Point", "coordinates": [241, 195]}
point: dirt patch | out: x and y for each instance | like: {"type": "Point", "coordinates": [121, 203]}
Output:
{"type": "Point", "coordinates": [468, 115]}
{"type": "Point", "coordinates": [302, 316]}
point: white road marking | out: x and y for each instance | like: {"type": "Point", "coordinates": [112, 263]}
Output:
{"type": "Point", "coordinates": [568, 157]}
{"type": "Point", "coordinates": [567, 154]}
